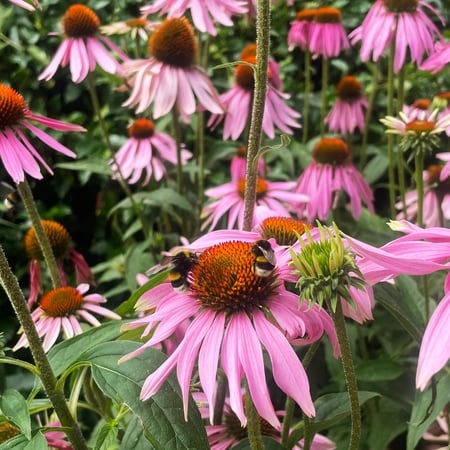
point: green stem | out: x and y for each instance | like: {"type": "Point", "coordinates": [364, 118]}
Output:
{"type": "Point", "coordinates": [350, 376]}
{"type": "Point", "coordinates": [253, 422]}
{"type": "Point", "coordinates": [324, 105]}
{"type": "Point", "coordinates": [400, 164]}
{"type": "Point", "coordinates": [221, 393]}
{"type": "Point", "coordinates": [390, 138]}
{"type": "Point", "coordinates": [307, 94]}
{"type": "Point", "coordinates": [259, 98]}
{"type": "Point", "coordinates": [123, 184]}
{"type": "Point", "coordinates": [177, 136]}
{"type": "Point", "coordinates": [56, 396]}
{"type": "Point", "coordinates": [418, 159]}
{"type": "Point", "coordinates": [368, 116]}
{"type": "Point", "coordinates": [41, 236]}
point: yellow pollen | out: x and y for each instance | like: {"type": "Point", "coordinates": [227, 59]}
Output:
{"type": "Point", "coordinates": [420, 126]}
{"type": "Point", "coordinates": [58, 236]}
{"type": "Point", "coordinates": [7, 431]}
{"type": "Point", "coordinates": [349, 88]}
{"type": "Point", "coordinates": [283, 229]}
{"type": "Point", "coordinates": [141, 129]}
{"type": "Point", "coordinates": [261, 187]}
{"type": "Point", "coordinates": [79, 21]}
{"type": "Point", "coordinates": [306, 15]}
{"type": "Point", "coordinates": [327, 15]}
{"type": "Point", "coordinates": [173, 43]}
{"type": "Point", "coordinates": [401, 6]}
{"type": "Point", "coordinates": [12, 107]}
{"type": "Point", "coordinates": [136, 23]}
{"type": "Point", "coordinates": [224, 280]}
{"type": "Point", "coordinates": [61, 302]}
{"type": "Point", "coordinates": [422, 103]}
{"type": "Point", "coordinates": [332, 151]}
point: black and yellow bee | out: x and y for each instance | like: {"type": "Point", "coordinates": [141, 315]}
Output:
{"type": "Point", "coordinates": [264, 258]}
{"type": "Point", "coordinates": [11, 198]}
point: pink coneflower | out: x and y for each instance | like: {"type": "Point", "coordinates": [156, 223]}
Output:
{"type": "Point", "coordinates": [204, 12]}
{"type": "Point", "coordinates": [439, 59]}
{"type": "Point", "coordinates": [235, 312]}
{"type": "Point", "coordinates": [445, 173]}
{"type": "Point", "coordinates": [434, 349]}
{"type": "Point", "coordinates": [83, 46]}
{"type": "Point", "coordinates": [60, 310]}
{"type": "Point", "coordinates": [390, 20]}
{"type": "Point", "coordinates": [56, 439]}
{"type": "Point", "coordinates": [146, 150]}
{"type": "Point", "coordinates": [436, 199]}
{"type": "Point", "coordinates": [237, 102]}
{"type": "Point", "coordinates": [138, 26]}
{"type": "Point", "coordinates": [230, 432]}
{"type": "Point", "coordinates": [17, 153]}
{"type": "Point", "coordinates": [299, 33]}
{"type": "Point", "coordinates": [276, 195]}
{"type": "Point", "coordinates": [327, 35]}
{"type": "Point", "coordinates": [60, 242]}
{"type": "Point", "coordinates": [170, 78]}
{"type": "Point", "coordinates": [25, 5]}
{"type": "Point", "coordinates": [325, 177]}
{"type": "Point", "coordinates": [347, 113]}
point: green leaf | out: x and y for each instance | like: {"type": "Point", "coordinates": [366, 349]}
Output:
{"type": "Point", "coordinates": [15, 408]}
{"type": "Point", "coordinates": [66, 353]}
{"type": "Point", "coordinates": [134, 437]}
{"type": "Point", "coordinates": [378, 370]}
{"type": "Point", "coordinates": [88, 165]}
{"type": "Point", "coordinates": [375, 168]}
{"type": "Point", "coordinates": [161, 415]}
{"type": "Point", "coordinates": [426, 409]}
{"type": "Point", "coordinates": [107, 436]}
{"type": "Point", "coordinates": [38, 442]}
{"type": "Point", "coordinates": [400, 308]}
{"type": "Point", "coordinates": [269, 444]}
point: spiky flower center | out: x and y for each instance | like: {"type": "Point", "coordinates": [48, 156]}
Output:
{"type": "Point", "coordinates": [434, 174]}
{"type": "Point", "coordinates": [349, 89]}
{"type": "Point", "coordinates": [141, 129]}
{"type": "Point", "coordinates": [422, 103]}
{"type": "Point", "coordinates": [284, 230]}
{"type": "Point", "coordinates": [7, 431]}
{"type": "Point", "coordinates": [136, 23]}
{"type": "Point", "coordinates": [249, 51]}
{"type": "Point", "coordinates": [61, 302]}
{"type": "Point", "coordinates": [58, 236]}
{"type": "Point", "coordinates": [444, 95]}
{"type": "Point", "coordinates": [326, 268]}
{"type": "Point", "coordinates": [332, 151]}
{"type": "Point", "coordinates": [79, 21]}
{"type": "Point", "coordinates": [173, 43]}
{"type": "Point", "coordinates": [307, 15]}
{"type": "Point", "coordinates": [12, 107]}
{"type": "Point", "coordinates": [224, 279]}
{"type": "Point", "coordinates": [244, 75]}
{"type": "Point", "coordinates": [421, 126]}
{"type": "Point", "coordinates": [327, 15]}
{"type": "Point", "coordinates": [261, 187]}
{"type": "Point", "coordinates": [401, 6]}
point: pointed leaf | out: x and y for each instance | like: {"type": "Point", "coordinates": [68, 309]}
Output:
{"type": "Point", "coordinates": [106, 437]}
{"type": "Point", "coordinates": [38, 442]}
{"type": "Point", "coordinates": [15, 408]}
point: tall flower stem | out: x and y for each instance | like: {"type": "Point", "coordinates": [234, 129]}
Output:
{"type": "Point", "coordinates": [253, 422]}
{"type": "Point", "coordinates": [390, 138]}
{"type": "Point", "coordinates": [41, 236]}
{"type": "Point", "coordinates": [324, 104]}
{"type": "Point", "coordinates": [400, 164]}
{"type": "Point", "coordinates": [56, 396]}
{"type": "Point", "coordinates": [307, 94]}
{"type": "Point", "coordinates": [350, 376]}
{"type": "Point", "coordinates": [368, 115]}
{"type": "Point", "coordinates": [177, 135]}
{"type": "Point", "coordinates": [123, 184]}
{"type": "Point", "coordinates": [418, 160]}
{"type": "Point", "coordinates": [259, 98]}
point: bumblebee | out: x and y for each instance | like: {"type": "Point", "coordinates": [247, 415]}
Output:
{"type": "Point", "coordinates": [264, 258]}
{"type": "Point", "coordinates": [181, 264]}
